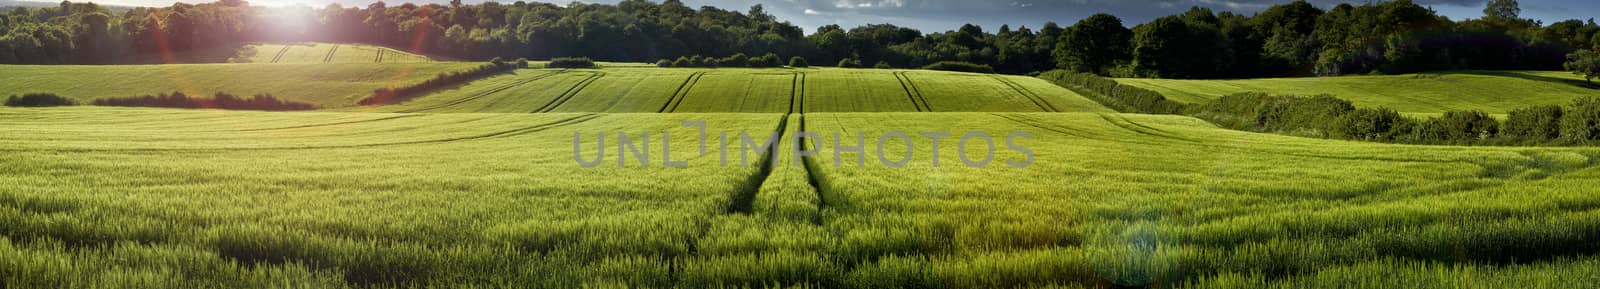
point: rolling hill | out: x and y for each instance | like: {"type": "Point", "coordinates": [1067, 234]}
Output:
{"type": "Point", "coordinates": [1495, 92]}
{"type": "Point", "coordinates": [749, 91]}
{"type": "Point", "coordinates": [325, 85]}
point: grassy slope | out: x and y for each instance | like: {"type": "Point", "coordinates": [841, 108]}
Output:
{"type": "Point", "coordinates": [318, 53]}
{"type": "Point", "coordinates": [1128, 200]}
{"type": "Point", "coordinates": [1496, 92]}
{"type": "Point", "coordinates": [748, 90]}
{"type": "Point", "coordinates": [326, 85]}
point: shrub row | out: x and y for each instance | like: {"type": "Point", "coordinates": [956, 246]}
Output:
{"type": "Point", "coordinates": [38, 100]}
{"type": "Point", "coordinates": [220, 101]}
{"type": "Point", "coordinates": [1111, 94]}
{"type": "Point", "coordinates": [570, 62]}
{"type": "Point", "coordinates": [383, 96]}
{"type": "Point", "coordinates": [1329, 117]}
{"type": "Point", "coordinates": [960, 66]}
{"type": "Point", "coordinates": [736, 60]}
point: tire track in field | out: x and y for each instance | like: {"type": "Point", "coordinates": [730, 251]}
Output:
{"type": "Point", "coordinates": [1142, 129]}
{"type": "Point", "coordinates": [325, 124]}
{"type": "Point", "coordinates": [799, 92]}
{"type": "Point", "coordinates": [379, 58]}
{"type": "Point", "coordinates": [281, 52]}
{"type": "Point", "coordinates": [682, 92]}
{"type": "Point", "coordinates": [794, 85]}
{"type": "Point", "coordinates": [899, 77]}
{"type": "Point", "coordinates": [331, 51]}
{"type": "Point", "coordinates": [481, 94]}
{"type": "Point", "coordinates": [498, 134]}
{"type": "Point", "coordinates": [917, 91]}
{"type": "Point", "coordinates": [743, 201]}
{"type": "Point", "coordinates": [1035, 98]}
{"type": "Point", "coordinates": [571, 91]}
{"type": "Point", "coordinates": [812, 177]}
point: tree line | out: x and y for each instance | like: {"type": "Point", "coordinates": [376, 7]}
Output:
{"type": "Point", "coordinates": [1293, 39]}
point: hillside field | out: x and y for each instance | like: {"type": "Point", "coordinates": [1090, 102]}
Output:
{"type": "Point", "coordinates": [1495, 92]}
{"type": "Point", "coordinates": [689, 90]}
{"type": "Point", "coordinates": [114, 197]}
{"type": "Point", "coordinates": [326, 53]}
{"type": "Point", "coordinates": [325, 85]}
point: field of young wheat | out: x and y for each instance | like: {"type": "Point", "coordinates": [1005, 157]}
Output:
{"type": "Point", "coordinates": [137, 198]}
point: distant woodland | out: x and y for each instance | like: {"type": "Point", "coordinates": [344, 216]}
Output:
{"type": "Point", "coordinates": [1293, 39]}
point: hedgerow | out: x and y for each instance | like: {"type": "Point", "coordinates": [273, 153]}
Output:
{"type": "Point", "coordinates": [1327, 116]}
{"type": "Point", "coordinates": [38, 100]}
{"type": "Point", "coordinates": [384, 96]}
{"type": "Point", "coordinates": [219, 101]}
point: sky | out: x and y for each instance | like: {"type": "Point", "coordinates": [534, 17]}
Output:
{"type": "Point", "coordinates": [943, 15]}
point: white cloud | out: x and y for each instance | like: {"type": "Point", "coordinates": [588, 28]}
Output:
{"type": "Point", "coordinates": [812, 12]}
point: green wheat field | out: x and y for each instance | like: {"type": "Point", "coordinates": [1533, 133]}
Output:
{"type": "Point", "coordinates": [476, 185]}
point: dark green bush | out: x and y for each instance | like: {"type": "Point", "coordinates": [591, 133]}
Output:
{"type": "Point", "coordinates": [696, 61]}
{"type": "Point", "coordinates": [1315, 114]}
{"type": "Point", "coordinates": [849, 63]}
{"type": "Point", "coordinates": [959, 66]}
{"type": "Point", "coordinates": [38, 100]}
{"type": "Point", "coordinates": [768, 60]}
{"type": "Point", "coordinates": [664, 63]}
{"type": "Point", "coordinates": [1468, 125]}
{"type": "Point", "coordinates": [1581, 122]}
{"type": "Point", "coordinates": [683, 61]}
{"type": "Point", "coordinates": [1368, 124]}
{"type": "Point", "coordinates": [219, 101]}
{"type": "Point", "coordinates": [1111, 94]}
{"type": "Point", "coordinates": [570, 62]}
{"type": "Point", "coordinates": [883, 65]}
{"type": "Point", "coordinates": [798, 62]}
{"type": "Point", "coordinates": [736, 60]}
{"type": "Point", "coordinates": [384, 96]}
{"type": "Point", "coordinates": [522, 63]}
{"type": "Point", "coordinates": [1533, 124]}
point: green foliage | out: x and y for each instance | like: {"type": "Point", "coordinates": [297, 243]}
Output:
{"type": "Point", "coordinates": [664, 63]}
{"type": "Point", "coordinates": [849, 63]}
{"type": "Point", "coordinates": [219, 101]}
{"type": "Point", "coordinates": [38, 100]}
{"type": "Point", "coordinates": [1094, 45]}
{"type": "Point", "coordinates": [1584, 63]}
{"type": "Point", "coordinates": [1113, 95]}
{"type": "Point", "coordinates": [798, 62]}
{"type": "Point", "coordinates": [1534, 123]}
{"type": "Point", "coordinates": [1369, 124]}
{"type": "Point", "coordinates": [882, 65]}
{"type": "Point", "coordinates": [959, 66]}
{"type": "Point", "coordinates": [570, 62]}
{"type": "Point", "coordinates": [1581, 122]}
{"type": "Point", "coordinates": [392, 95]}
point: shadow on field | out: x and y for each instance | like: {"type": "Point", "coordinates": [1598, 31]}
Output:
{"type": "Point", "coordinates": [1527, 76]}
